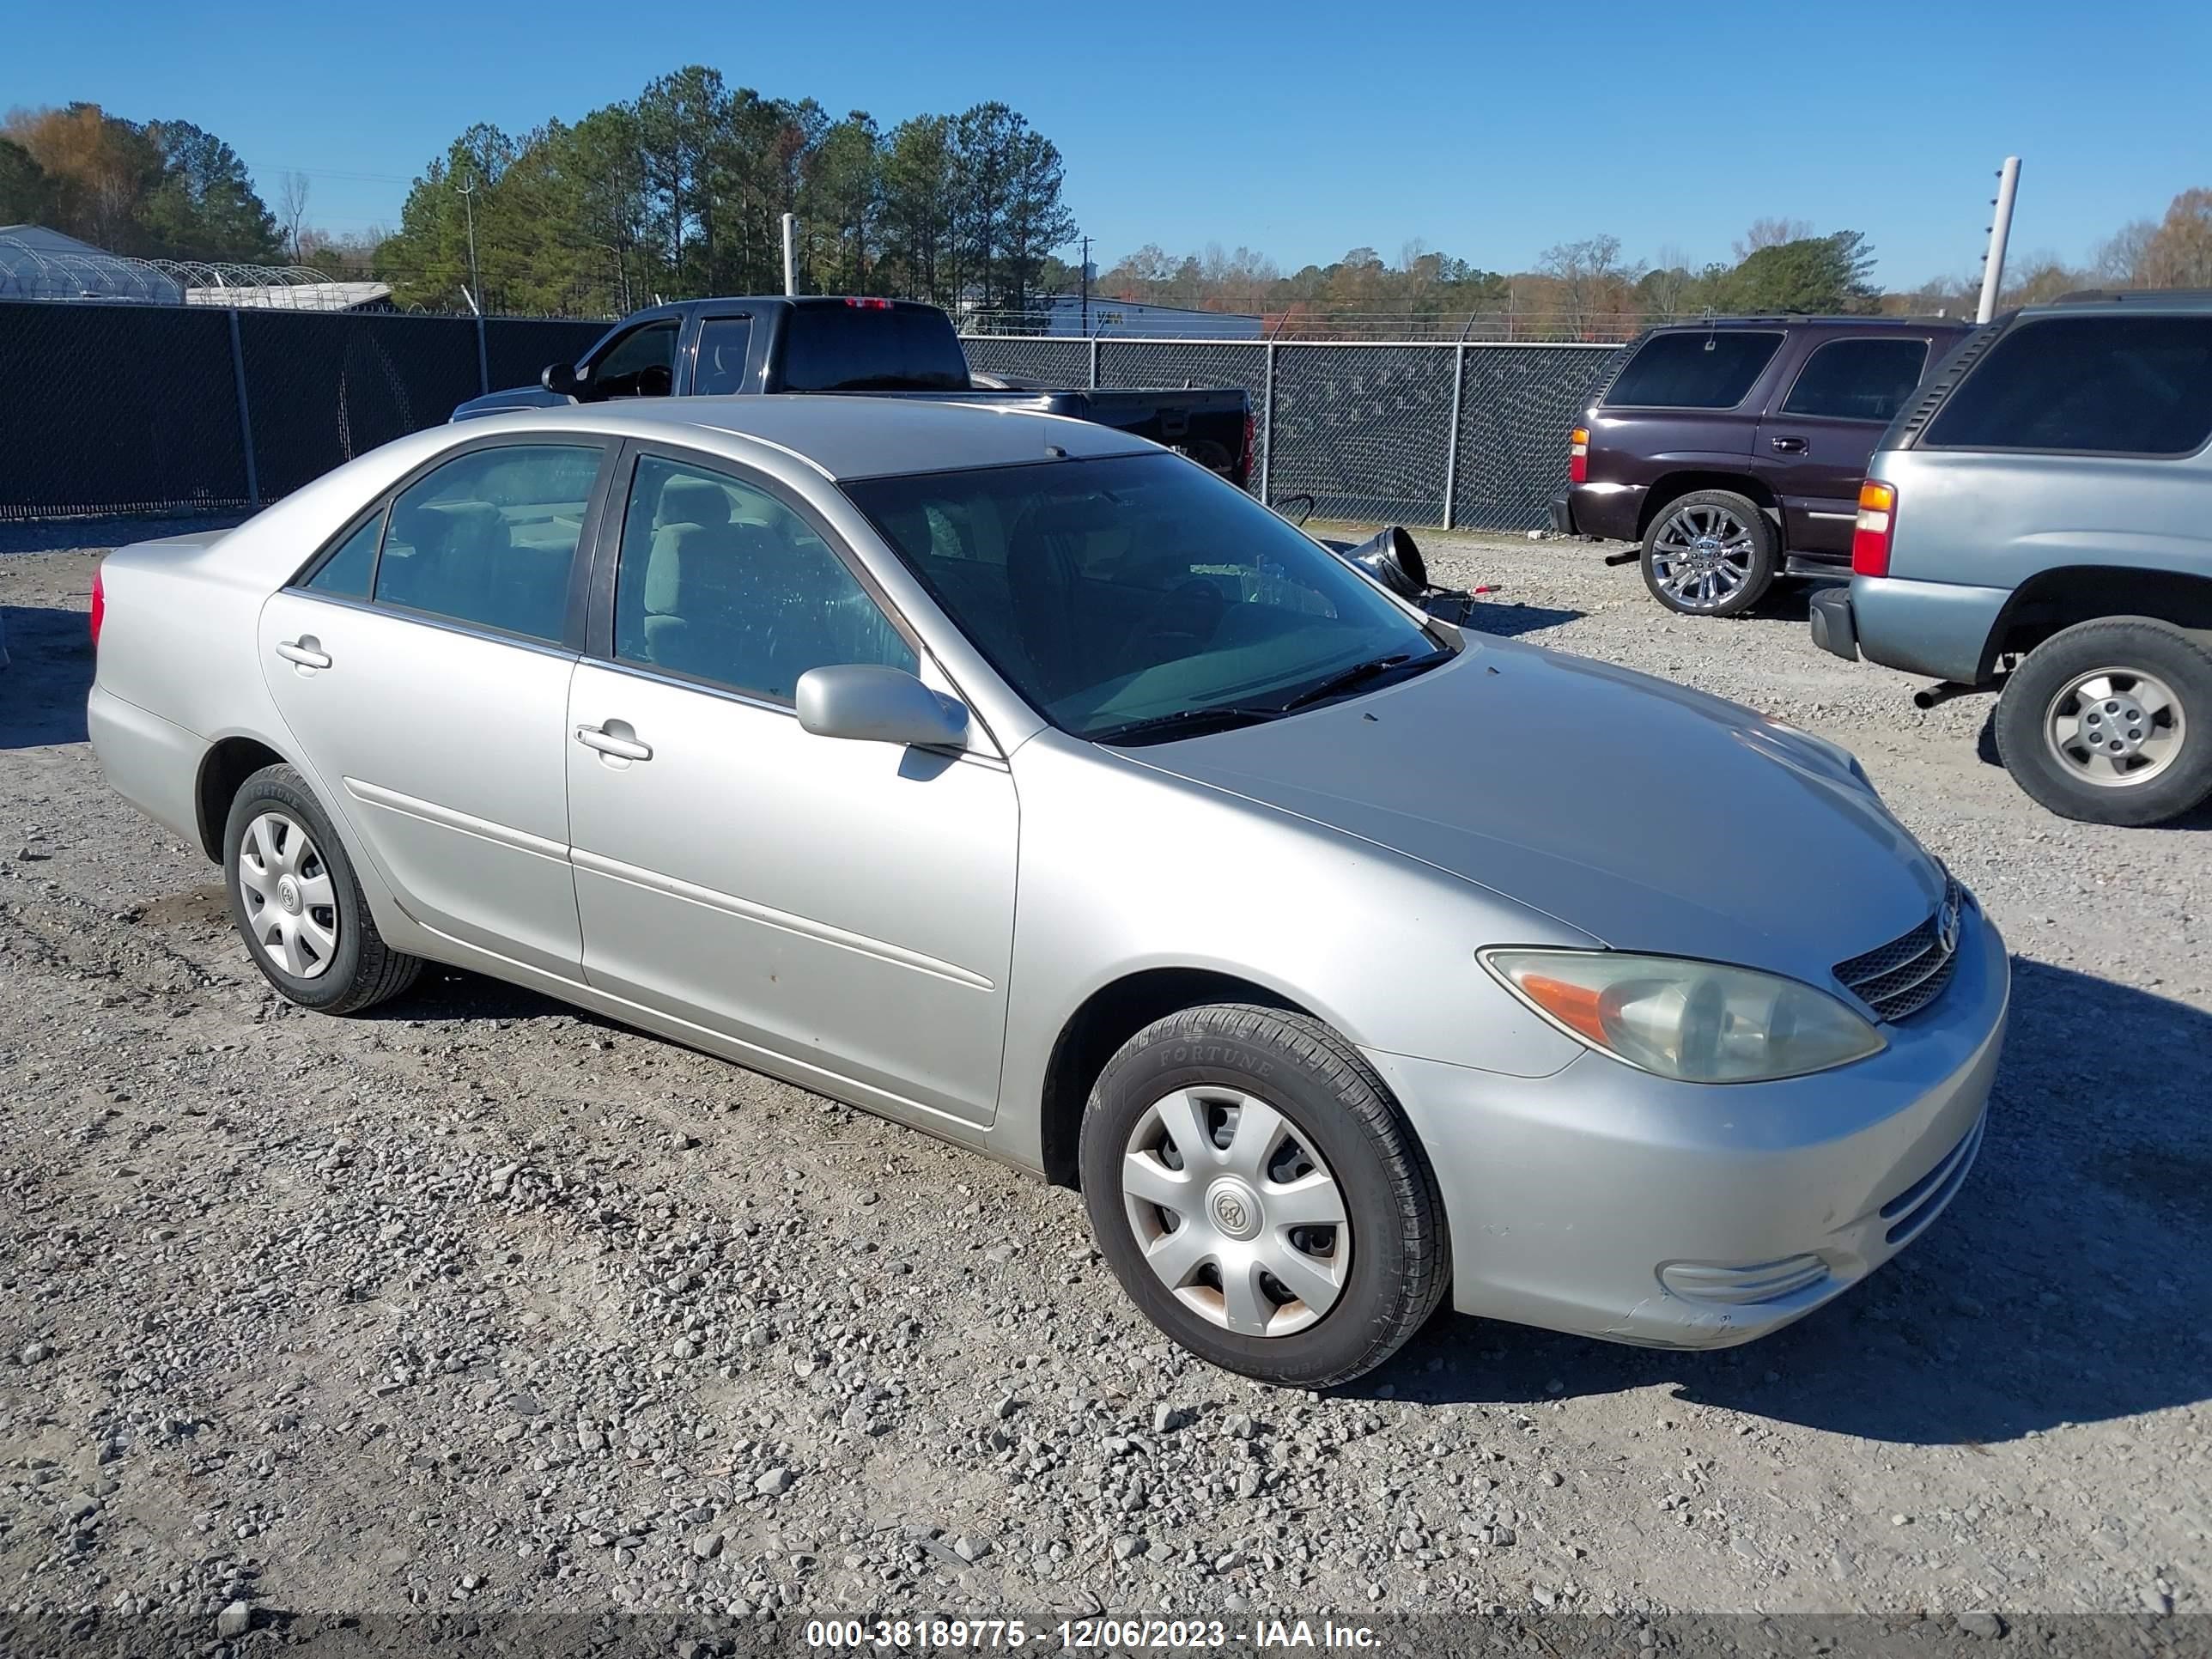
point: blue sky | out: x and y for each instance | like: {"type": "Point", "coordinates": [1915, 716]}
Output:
{"type": "Point", "coordinates": [1298, 130]}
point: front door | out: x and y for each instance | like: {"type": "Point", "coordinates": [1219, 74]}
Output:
{"type": "Point", "coordinates": [843, 909]}
{"type": "Point", "coordinates": [1814, 444]}
{"type": "Point", "coordinates": [423, 666]}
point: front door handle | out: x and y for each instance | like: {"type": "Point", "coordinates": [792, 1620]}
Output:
{"type": "Point", "coordinates": [306, 652]}
{"type": "Point", "coordinates": [1790, 446]}
{"type": "Point", "coordinates": [607, 743]}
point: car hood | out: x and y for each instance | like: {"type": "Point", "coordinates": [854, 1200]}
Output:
{"type": "Point", "coordinates": [1645, 814]}
{"type": "Point", "coordinates": [520, 396]}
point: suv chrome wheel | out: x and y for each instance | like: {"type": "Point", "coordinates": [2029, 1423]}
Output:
{"type": "Point", "coordinates": [2115, 727]}
{"type": "Point", "coordinates": [1236, 1213]}
{"type": "Point", "coordinates": [291, 904]}
{"type": "Point", "coordinates": [1703, 554]}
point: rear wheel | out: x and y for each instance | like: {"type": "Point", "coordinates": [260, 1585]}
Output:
{"type": "Point", "coordinates": [1260, 1196]}
{"type": "Point", "coordinates": [296, 903]}
{"type": "Point", "coordinates": [2110, 722]}
{"type": "Point", "coordinates": [1710, 553]}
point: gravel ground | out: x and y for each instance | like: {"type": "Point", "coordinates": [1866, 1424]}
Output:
{"type": "Point", "coordinates": [479, 1301]}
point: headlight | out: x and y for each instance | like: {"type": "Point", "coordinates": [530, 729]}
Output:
{"type": "Point", "coordinates": [1700, 1021]}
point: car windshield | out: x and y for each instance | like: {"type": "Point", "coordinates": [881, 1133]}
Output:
{"type": "Point", "coordinates": [1141, 595]}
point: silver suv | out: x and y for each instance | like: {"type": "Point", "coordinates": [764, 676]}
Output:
{"type": "Point", "coordinates": [2039, 519]}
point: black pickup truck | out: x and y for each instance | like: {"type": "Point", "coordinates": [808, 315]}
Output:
{"type": "Point", "coordinates": [721, 348]}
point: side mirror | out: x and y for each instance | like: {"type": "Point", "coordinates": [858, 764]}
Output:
{"type": "Point", "coordinates": [873, 704]}
{"type": "Point", "coordinates": [1296, 508]}
{"type": "Point", "coordinates": [561, 378]}
{"type": "Point", "coordinates": [1391, 558]}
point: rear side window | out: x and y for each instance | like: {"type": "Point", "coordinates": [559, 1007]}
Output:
{"type": "Point", "coordinates": [346, 572]}
{"type": "Point", "coordinates": [488, 537]}
{"type": "Point", "coordinates": [872, 348]}
{"type": "Point", "coordinates": [724, 344]}
{"type": "Point", "coordinates": [1694, 371]}
{"type": "Point", "coordinates": [2119, 385]}
{"type": "Point", "coordinates": [1857, 380]}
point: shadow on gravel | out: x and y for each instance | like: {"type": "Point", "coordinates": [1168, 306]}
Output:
{"type": "Point", "coordinates": [2066, 1284]}
{"type": "Point", "coordinates": [42, 691]}
{"type": "Point", "coordinates": [1508, 621]}
{"type": "Point", "coordinates": [77, 535]}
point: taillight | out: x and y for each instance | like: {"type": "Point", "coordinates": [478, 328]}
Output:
{"type": "Point", "coordinates": [1877, 523]}
{"type": "Point", "coordinates": [98, 608]}
{"type": "Point", "coordinates": [869, 304]}
{"type": "Point", "coordinates": [1251, 438]}
{"type": "Point", "coordinates": [1578, 455]}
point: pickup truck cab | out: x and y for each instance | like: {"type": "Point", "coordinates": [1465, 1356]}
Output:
{"type": "Point", "coordinates": [769, 344]}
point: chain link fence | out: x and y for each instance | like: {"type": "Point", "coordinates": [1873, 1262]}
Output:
{"type": "Point", "coordinates": [112, 407]}
{"type": "Point", "coordinates": [115, 407]}
{"type": "Point", "coordinates": [1471, 434]}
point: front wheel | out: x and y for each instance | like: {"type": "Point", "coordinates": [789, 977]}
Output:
{"type": "Point", "coordinates": [1711, 553]}
{"type": "Point", "coordinates": [2111, 721]}
{"type": "Point", "coordinates": [1260, 1196]}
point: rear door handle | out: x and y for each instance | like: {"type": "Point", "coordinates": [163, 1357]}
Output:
{"type": "Point", "coordinates": [306, 651]}
{"type": "Point", "coordinates": [607, 743]}
{"type": "Point", "coordinates": [1790, 445]}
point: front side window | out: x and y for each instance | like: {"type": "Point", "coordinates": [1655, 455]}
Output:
{"type": "Point", "coordinates": [640, 364]}
{"type": "Point", "coordinates": [724, 344]}
{"type": "Point", "coordinates": [721, 581]}
{"type": "Point", "coordinates": [489, 538]}
{"type": "Point", "coordinates": [1694, 371]}
{"type": "Point", "coordinates": [1114, 594]}
{"type": "Point", "coordinates": [1857, 380]}
{"type": "Point", "coordinates": [2120, 385]}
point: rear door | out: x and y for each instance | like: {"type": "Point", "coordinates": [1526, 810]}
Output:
{"type": "Point", "coordinates": [1814, 441]}
{"type": "Point", "coordinates": [422, 666]}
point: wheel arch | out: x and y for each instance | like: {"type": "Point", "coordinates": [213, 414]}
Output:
{"type": "Point", "coordinates": [2053, 600]}
{"type": "Point", "coordinates": [223, 772]}
{"type": "Point", "coordinates": [1106, 1020]}
{"type": "Point", "coordinates": [1669, 488]}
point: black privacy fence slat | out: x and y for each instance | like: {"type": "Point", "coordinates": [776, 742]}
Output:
{"type": "Point", "coordinates": [109, 406]}
{"type": "Point", "coordinates": [323, 389]}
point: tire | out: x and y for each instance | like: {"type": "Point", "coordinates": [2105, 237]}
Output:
{"type": "Point", "coordinates": [336, 963]}
{"type": "Point", "coordinates": [1710, 553]}
{"type": "Point", "coordinates": [2088, 680]}
{"type": "Point", "coordinates": [1330, 1127]}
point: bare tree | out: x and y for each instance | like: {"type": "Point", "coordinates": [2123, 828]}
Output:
{"type": "Point", "coordinates": [1771, 233]}
{"type": "Point", "coordinates": [2119, 257]}
{"type": "Point", "coordinates": [1590, 274]}
{"type": "Point", "coordinates": [292, 211]}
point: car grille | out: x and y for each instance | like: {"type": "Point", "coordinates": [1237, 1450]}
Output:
{"type": "Point", "coordinates": [1898, 979]}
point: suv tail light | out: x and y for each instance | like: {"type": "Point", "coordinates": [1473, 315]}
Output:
{"type": "Point", "coordinates": [869, 304]}
{"type": "Point", "coordinates": [1877, 523]}
{"type": "Point", "coordinates": [98, 607]}
{"type": "Point", "coordinates": [1244, 460]}
{"type": "Point", "coordinates": [1578, 455]}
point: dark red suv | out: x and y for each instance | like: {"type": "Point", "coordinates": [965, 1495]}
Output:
{"type": "Point", "coordinates": [1733, 449]}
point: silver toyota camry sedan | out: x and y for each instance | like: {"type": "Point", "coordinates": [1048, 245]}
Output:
{"type": "Point", "coordinates": [1023, 782]}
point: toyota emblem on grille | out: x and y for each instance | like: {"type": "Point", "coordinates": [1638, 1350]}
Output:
{"type": "Point", "coordinates": [1947, 924]}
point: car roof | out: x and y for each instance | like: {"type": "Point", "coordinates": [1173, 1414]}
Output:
{"type": "Point", "coordinates": [847, 435]}
{"type": "Point", "coordinates": [2133, 302]}
{"type": "Point", "coordinates": [1870, 325]}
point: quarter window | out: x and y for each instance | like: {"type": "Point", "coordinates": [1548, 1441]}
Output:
{"type": "Point", "coordinates": [724, 344]}
{"type": "Point", "coordinates": [2120, 385]}
{"type": "Point", "coordinates": [489, 538]}
{"type": "Point", "coordinates": [346, 572]}
{"type": "Point", "coordinates": [1857, 380]}
{"type": "Point", "coordinates": [1694, 371]}
{"type": "Point", "coordinates": [719, 580]}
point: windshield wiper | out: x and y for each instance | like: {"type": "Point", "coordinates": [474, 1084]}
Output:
{"type": "Point", "coordinates": [1186, 722]}
{"type": "Point", "coordinates": [1359, 674]}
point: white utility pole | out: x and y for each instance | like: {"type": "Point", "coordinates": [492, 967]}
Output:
{"type": "Point", "coordinates": [791, 253]}
{"type": "Point", "coordinates": [2000, 227]}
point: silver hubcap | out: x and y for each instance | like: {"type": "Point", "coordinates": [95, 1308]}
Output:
{"type": "Point", "coordinates": [291, 905]}
{"type": "Point", "coordinates": [2115, 727]}
{"type": "Point", "coordinates": [1703, 554]}
{"type": "Point", "coordinates": [1236, 1213]}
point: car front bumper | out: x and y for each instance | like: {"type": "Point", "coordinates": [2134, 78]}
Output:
{"type": "Point", "coordinates": [1606, 1202]}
